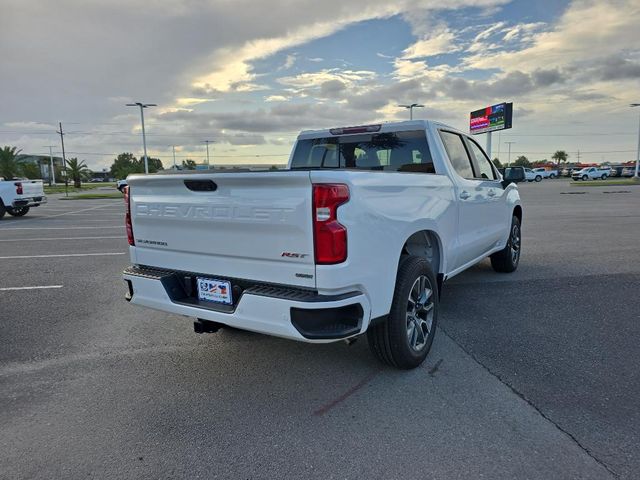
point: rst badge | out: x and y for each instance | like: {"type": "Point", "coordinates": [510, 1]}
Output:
{"type": "Point", "coordinates": [294, 255]}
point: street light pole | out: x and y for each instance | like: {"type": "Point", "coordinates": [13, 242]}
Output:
{"type": "Point", "coordinates": [52, 175]}
{"type": "Point", "coordinates": [144, 137]}
{"type": "Point", "coordinates": [207, 143]}
{"type": "Point", "coordinates": [509, 154]}
{"type": "Point", "coordinates": [638, 153]}
{"type": "Point", "coordinates": [411, 107]}
{"type": "Point", "coordinates": [174, 156]}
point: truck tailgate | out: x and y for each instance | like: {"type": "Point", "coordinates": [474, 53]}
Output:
{"type": "Point", "coordinates": [31, 188]}
{"type": "Point", "coordinates": [244, 225]}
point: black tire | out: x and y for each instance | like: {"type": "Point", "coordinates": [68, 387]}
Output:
{"type": "Point", "coordinates": [18, 211]}
{"type": "Point", "coordinates": [392, 341]}
{"type": "Point", "coordinates": [538, 178]}
{"type": "Point", "coordinates": [2, 209]}
{"type": "Point", "coordinates": [552, 175]}
{"type": "Point", "coordinates": [507, 259]}
{"type": "Point", "coordinates": [585, 177]}
{"type": "Point", "coordinates": [603, 177]}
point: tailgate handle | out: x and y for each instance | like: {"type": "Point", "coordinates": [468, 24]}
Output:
{"type": "Point", "coordinates": [201, 185]}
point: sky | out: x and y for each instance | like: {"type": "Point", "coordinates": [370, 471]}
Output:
{"type": "Point", "coordinates": [249, 74]}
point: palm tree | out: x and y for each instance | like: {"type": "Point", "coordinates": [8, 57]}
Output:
{"type": "Point", "coordinates": [560, 156]}
{"type": "Point", "coordinates": [77, 171]}
{"type": "Point", "coordinates": [9, 165]}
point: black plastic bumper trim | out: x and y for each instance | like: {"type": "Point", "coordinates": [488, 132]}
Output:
{"type": "Point", "coordinates": [328, 323]}
{"type": "Point", "coordinates": [181, 289]}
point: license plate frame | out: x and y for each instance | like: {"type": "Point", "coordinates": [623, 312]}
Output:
{"type": "Point", "coordinates": [214, 290]}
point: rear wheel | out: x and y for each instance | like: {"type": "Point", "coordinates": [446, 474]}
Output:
{"type": "Point", "coordinates": [404, 339]}
{"type": "Point", "coordinates": [507, 259]}
{"type": "Point", "coordinates": [603, 177]}
{"type": "Point", "coordinates": [2, 209]}
{"type": "Point", "coordinates": [18, 211]}
{"type": "Point", "coordinates": [538, 178]}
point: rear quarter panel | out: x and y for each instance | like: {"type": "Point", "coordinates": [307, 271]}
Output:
{"type": "Point", "coordinates": [383, 211]}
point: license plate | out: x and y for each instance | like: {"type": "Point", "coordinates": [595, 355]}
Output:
{"type": "Point", "coordinates": [212, 290]}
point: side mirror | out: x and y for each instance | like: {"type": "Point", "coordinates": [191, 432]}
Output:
{"type": "Point", "coordinates": [513, 175]}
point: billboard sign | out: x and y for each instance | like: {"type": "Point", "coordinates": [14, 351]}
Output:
{"type": "Point", "coordinates": [490, 119]}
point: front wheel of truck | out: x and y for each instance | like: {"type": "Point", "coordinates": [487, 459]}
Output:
{"type": "Point", "coordinates": [404, 339]}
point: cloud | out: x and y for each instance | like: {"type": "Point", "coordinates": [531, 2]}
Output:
{"type": "Point", "coordinates": [441, 41]}
{"type": "Point", "coordinates": [332, 88]}
{"type": "Point", "coordinates": [617, 68]}
{"type": "Point", "coordinates": [289, 62]}
{"type": "Point", "coordinates": [275, 98]}
{"type": "Point", "coordinates": [545, 78]}
{"type": "Point", "coordinates": [587, 30]}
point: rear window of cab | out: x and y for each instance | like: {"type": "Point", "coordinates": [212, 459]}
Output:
{"type": "Point", "coordinates": [395, 152]}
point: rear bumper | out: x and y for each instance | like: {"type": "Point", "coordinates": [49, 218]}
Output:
{"type": "Point", "coordinates": [29, 201]}
{"type": "Point", "coordinates": [283, 312]}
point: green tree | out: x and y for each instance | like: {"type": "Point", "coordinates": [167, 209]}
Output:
{"type": "Point", "coordinates": [9, 165]}
{"type": "Point", "coordinates": [30, 170]}
{"type": "Point", "coordinates": [497, 162]}
{"type": "Point", "coordinates": [522, 161]}
{"type": "Point", "coordinates": [125, 164]}
{"type": "Point", "coordinates": [560, 156]}
{"type": "Point", "coordinates": [77, 171]}
{"type": "Point", "coordinates": [188, 164]}
{"type": "Point", "coordinates": [155, 164]}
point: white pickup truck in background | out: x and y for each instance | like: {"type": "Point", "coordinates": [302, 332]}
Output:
{"type": "Point", "coordinates": [358, 235]}
{"type": "Point", "coordinates": [591, 173]}
{"type": "Point", "coordinates": [545, 173]}
{"type": "Point", "coordinates": [19, 195]}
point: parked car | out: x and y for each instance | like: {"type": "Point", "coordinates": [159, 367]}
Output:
{"type": "Point", "coordinates": [336, 246]}
{"type": "Point", "coordinates": [591, 173]}
{"type": "Point", "coordinates": [531, 176]}
{"type": "Point", "coordinates": [628, 171]}
{"type": "Point", "coordinates": [17, 196]}
{"type": "Point", "coordinates": [120, 184]}
{"type": "Point", "coordinates": [545, 173]}
{"type": "Point", "coordinates": [616, 171]}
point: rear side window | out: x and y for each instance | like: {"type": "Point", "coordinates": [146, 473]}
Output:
{"type": "Point", "coordinates": [457, 153]}
{"type": "Point", "coordinates": [394, 152]}
{"type": "Point", "coordinates": [482, 161]}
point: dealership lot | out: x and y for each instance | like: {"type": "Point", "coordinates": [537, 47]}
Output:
{"type": "Point", "coordinates": [532, 374]}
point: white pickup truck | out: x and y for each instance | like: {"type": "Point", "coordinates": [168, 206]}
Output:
{"type": "Point", "coordinates": [18, 196]}
{"type": "Point", "coordinates": [358, 235]}
{"type": "Point", "coordinates": [544, 173]}
{"type": "Point", "coordinates": [591, 173]}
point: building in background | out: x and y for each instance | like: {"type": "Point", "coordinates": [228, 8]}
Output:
{"type": "Point", "coordinates": [41, 166]}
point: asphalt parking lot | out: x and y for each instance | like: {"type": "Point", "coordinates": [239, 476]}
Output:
{"type": "Point", "coordinates": [532, 375]}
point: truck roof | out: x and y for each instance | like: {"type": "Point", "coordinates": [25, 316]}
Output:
{"type": "Point", "coordinates": [383, 127]}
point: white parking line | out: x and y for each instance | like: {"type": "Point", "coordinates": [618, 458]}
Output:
{"type": "Point", "coordinates": [59, 228]}
{"type": "Point", "coordinates": [93, 214]}
{"type": "Point", "coordinates": [39, 287]}
{"type": "Point", "coordinates": [57, 238]}
{"type": "Point", "coordinates": [65, 255]}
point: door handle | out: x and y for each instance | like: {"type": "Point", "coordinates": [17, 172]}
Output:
{"type": "Point", "coordinates": [464, 195]}
{"type": "Point", "coordinates": [491, 193]}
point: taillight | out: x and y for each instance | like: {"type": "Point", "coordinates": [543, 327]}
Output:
{"type": "Point", "coordinates": [330, 237]}
{"type": "Point", "coordinates": [127, 217]}
{"type": "Point", "coordinates": [19, 190]}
